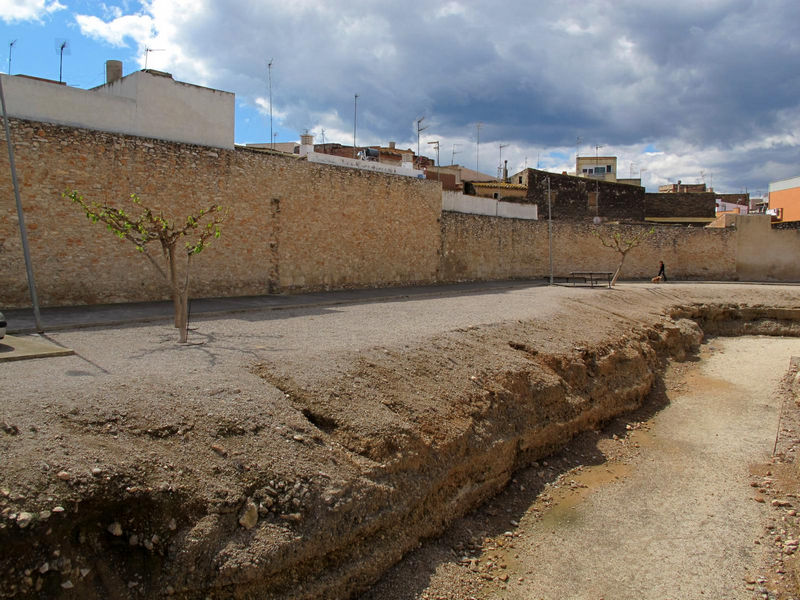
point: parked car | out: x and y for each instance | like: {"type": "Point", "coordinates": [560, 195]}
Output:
{"type": "Point", "coordinates": [2, 326]}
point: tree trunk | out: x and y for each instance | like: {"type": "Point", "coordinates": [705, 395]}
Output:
{"type": "Point", "coordinates": [618, 271]}
{"type": "Point", "coordinates": [182, 315]}
{"type": "Point", "coordinates": [169, 251]}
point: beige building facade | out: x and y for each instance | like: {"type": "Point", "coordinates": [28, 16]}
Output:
{"type": "Point", "coordinates": [603, 168]}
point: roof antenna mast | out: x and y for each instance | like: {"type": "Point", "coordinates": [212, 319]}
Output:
{"type": "Point", "coordinates": [10, 46]}
{"type": "Point", "coordinates": [147, 52]}
{"type": "Point", "coordinates": [62, 46]}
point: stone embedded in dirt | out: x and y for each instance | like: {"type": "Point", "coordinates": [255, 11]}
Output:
{"type": "Point", "coordinates": [58, 509]}
{"type": "Point", "coordinates": [219, 449]}
{"type": "Point", "coordinates": [64, 475]}
{"type": "Point", "coordinates": [97, 471]}
{"type": "Point", "coordinates": [9, 428]}
{"type": "Point", "coordinates": [781, 503]}
{"type": "Point", "coordinates": [115, 529]}
{"type": "Point", "coordinates": [249, 516]}
{"type": "Point", "coordinates": [293, 517]}
{"type": "Point", "coordinates": [24, 519]}
{"type": "Point", "coordinates": [67, 585]}
{"type": "Point", "coordinates": [172, 525]}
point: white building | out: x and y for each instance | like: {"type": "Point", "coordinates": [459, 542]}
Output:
{"type": "Point", "coordinates": [145, 103]}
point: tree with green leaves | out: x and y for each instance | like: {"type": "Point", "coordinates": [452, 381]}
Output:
{"type": "Point", "coordinates": [196, 234]}
{"type": "Point", "coordinates": [622, 245]}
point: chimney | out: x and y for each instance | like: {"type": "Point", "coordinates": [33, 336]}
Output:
{"type": "Point", "coordinates": [113, 70]}
{"type": "Point", "coordinates": [505, 171]}
{"type": "Point", "coordinates": [306, 144]}
{"type": "Point", "coordinates": [391, 145]}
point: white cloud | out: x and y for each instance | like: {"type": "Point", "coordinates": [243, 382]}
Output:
{"type": "Point", "coordinates": [139, 28]}
{"type": "Point", "coordinates": [450, 9]}
{"type": "Point", "coordinates": [664, 74]}
{"type": "Point", "coordinates": [28, 10]}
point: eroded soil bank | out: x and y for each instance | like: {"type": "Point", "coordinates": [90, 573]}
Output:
{"type": "Point", "coordinates": [286, 470]}
{"type": "Point", "coordinates": [690, 496]}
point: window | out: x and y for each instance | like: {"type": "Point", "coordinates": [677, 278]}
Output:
{"type": "Point", "coordinates": [599, 170]}
{"type": "Point", "coordinates": [608, 169]}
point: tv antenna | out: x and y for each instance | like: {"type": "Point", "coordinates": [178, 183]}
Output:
{"type": "Point", "coordinates": [147, 51]}
{"type": "Point", "coordinates": [10, 46]}
{"type": "Point", "coordinates": [62, 47]}
{"type": "Point", "coordinates": [323, 139]}
{"type": "Point", "coordinates": [500, 166]}
{"type": "Point", "coordinates": [420, 129]}
{"type": "Point", "coordinates": [453, 157]}
{"type": "Point", "coordinates": [435, 144]}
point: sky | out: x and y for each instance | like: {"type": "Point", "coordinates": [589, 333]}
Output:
{"type": "Point", "coordinates": [701, 91]}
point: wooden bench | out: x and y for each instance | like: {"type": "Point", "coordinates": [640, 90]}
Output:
{"type": "Point", "coordinates": [591, 277]}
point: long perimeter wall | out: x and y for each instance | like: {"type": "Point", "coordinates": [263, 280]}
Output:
{"type": "Point", "coordinates": [477, 247]}
{"type": "Point", "coordinates": [291, 224]}
{"type": "Point", "coordinates": [298, 226]}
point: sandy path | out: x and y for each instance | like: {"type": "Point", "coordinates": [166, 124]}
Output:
{"type": "Point", "coordinates": [682, 523]}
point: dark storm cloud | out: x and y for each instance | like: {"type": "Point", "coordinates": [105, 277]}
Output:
{"type": "Point", "coordinates": [683, 75]}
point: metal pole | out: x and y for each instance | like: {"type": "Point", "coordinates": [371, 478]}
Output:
{"type": "Point", "coordinates": [550, 230]}
{"type": "Point", "coordinates": [355, 117]}
{"type": "Point", "coordinates": [61, 60]}
{"type": "Point", "coordinates": [271, 135]}
{"type": "Point", "coordinates": [22, 232]}
{"type": "Point", "coordinates": [478, 147]}
{"type": "Point", "coordinates": [10, 46]}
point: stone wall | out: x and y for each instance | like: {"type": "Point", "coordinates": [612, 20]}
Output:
{"type": "Point", "coordinates": [765, 254]}
{"type": "Point", "coordinates": [582, 198]}
{"type": "Point", "coordinates": [681, 205]}
{"type": "Point", "coordinates": [291, 224]}
{"type": "Point", "coordinates": [298, 226]}
{"type": "Point", "coordinates": [478, 247]}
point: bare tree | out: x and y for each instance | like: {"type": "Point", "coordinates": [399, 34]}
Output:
{"type": "Point", "coordinates": [622, 245]}
{"type": "Point", "coordinates": [196, 233]}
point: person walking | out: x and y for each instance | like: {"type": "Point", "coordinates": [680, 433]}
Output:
{"type": "Point", "coordinates": [661, 272]}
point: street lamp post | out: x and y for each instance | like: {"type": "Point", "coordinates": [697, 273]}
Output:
{"type": "Point", "coordinates": [550, 230]}
{"type": "Point", "coordinates": [21, 217]}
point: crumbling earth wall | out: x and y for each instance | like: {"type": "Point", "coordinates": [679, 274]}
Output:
{"type": "Point", "coordinates": [415, 438]}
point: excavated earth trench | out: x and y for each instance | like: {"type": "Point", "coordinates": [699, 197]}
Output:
{"type": "Point", "coordinates": [394, 445]}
